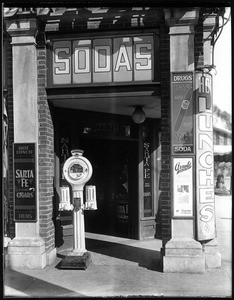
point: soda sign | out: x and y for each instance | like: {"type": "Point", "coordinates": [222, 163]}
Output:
{"type": "Point", "coordinates": [102, 60]}
{"type": "Point", "coordinates": [182, 111]}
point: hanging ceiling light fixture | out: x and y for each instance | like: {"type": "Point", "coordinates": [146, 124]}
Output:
{"type": "Point", "coordinates": [138, 115]}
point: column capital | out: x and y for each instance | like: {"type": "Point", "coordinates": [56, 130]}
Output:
{"type": "Point", "coordinates": [182, 16]}
{"type": "Point", "coordinates": [22, 27]}
{"type": "Point", "coordinates": [209, 24]}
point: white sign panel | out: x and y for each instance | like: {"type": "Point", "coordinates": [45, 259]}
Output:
{"type": "Point", "coordinates": [205, 197]}
{"type": "Point", "coordinates": [103, 60]}
{"type": "Point", "coordinates": [183, 187]}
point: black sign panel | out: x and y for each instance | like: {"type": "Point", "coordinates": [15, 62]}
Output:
{"type": "Point", "coordinates": [147, 170]}
{"type": "Point", "coordinates": [182, 112]}
{"type": "Point", "coordinates": [25, 204]}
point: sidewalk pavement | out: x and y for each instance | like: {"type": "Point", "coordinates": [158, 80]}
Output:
{"type": "Point", "coordinates": [122, 267]}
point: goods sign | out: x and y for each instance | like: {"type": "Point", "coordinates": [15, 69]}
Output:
{"type": "Point", "coordinates": [102, 60]}
{"type": "Point", "coordinates": [182, 113]}
{"type": "Point", "coordinates": [183, 187]}
{"type": "Point", "coordinates": [24, 182]}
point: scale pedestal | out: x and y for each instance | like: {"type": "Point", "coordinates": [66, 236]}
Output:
{"type": "Point", "coordinates": [77, 171]}
{"type": "Point", "coordinates": [75, 260]}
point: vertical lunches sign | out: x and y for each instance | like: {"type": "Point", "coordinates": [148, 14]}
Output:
{"type": "Point", "coordinates": [205, 205]}
{"type": "Point", "coordinates": [183, 187]}
{"type": "Point", "coordinates": [182, 113]}
{"type": "Point", "coordinates": [24, 182]}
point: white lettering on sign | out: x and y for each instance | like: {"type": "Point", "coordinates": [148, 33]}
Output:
{"type": "Point", "coordinates": [183, 149]}
{"type": "Point", "coordinates": [145, 57]}
{"type": "Point", "coordinates": [81, 58]}
{"type": "Point", "coordinates": [24, 195]}
{"type": "Point", "coordinates": [102, 54]}
{"type": "Point", "coordinates": [122, 59]}
{"type": "Point", "coordinates": [24, 174]}
{"type": "Point", "coordinates": [63, 63]}
{"type": "Point", "coordinates": [205, 85]}
{"type": "Point", "coordinates": [205, 161]}
{"type": "Point", "coordinates": [110, 60]}
{"type": "Point", "coordinates": [24, 177]}
{"type": "Point", "coordinates": [179, 78]}
{"type": "Point", "coordinates": [146, 155]}
{"type": "Point", "coordinates": [23, 150]}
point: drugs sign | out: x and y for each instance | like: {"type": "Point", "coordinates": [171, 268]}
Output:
{"type": "Point", "coordinates": [182, 111]}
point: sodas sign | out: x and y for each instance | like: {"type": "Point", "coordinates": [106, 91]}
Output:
{"type": "Point", "coordinates": [99, 60]}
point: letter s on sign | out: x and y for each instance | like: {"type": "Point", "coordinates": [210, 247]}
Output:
{"type": "Point", "coordinates": [146, 56]}
{"type": "Point", "coordinates": [64, 62]}
{"type": "Point", "coordinates": [206, 213]}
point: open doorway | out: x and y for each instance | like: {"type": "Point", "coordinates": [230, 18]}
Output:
{"type": "Point", "coordinates": [114, 154]}
{"type": "Point", "coordinates": [115, 175]}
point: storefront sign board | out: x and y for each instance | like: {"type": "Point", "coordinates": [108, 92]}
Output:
{"type": "Point", "coordinates": [182, 111]}
{"type": "Point", "coordinates": [206, 228]}
{"type": "Point", "coordinates": [183, 187]}
{"type": "Point", "coordinates": [25, 191]}
{"type": "Point", "coordinates": [102, 60]}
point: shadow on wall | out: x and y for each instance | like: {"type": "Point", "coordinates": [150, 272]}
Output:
{"type": "Point", "coordinates": [158, 219]}
{"type": "Point", "coordinates": [57, 221]}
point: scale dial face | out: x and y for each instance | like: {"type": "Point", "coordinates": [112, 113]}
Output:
{"type": "Point", "coordinates": [77, 170]}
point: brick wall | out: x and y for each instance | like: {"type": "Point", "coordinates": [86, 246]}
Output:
{"type": "Point", "coordinates": [198, 44]}
{"type": "Point", "coordinates": [165, 184]}
{"type": "Point", "coordinates": [45, 155]}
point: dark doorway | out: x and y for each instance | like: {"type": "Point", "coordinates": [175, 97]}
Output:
{"type": "Point", "coordinates": [111, 144]}
{"type": "Point", "coordinates": [115, 175]}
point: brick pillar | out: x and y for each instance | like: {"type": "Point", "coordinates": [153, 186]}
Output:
{"type": "Point", "coordinates": [205, 198]}
{"type": "Point", "coordinates": [27, 249]}
{"type": "Point", "coordinates": [165, 184]}
{"type": "Point", "coordinates": [182, 252]}
{"type": "Point", "coordinates": [45, 157]}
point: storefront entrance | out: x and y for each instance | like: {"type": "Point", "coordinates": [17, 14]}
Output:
{"type": "Point", "coordinates": [111, 144]}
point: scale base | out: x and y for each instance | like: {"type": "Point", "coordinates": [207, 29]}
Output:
{"type": "Point", "coordinates": [74, 261]}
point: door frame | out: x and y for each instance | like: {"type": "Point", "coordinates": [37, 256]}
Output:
{"type": "Point", "coordinates": [147, 225]}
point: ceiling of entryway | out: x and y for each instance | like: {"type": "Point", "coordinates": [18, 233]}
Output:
{"type": "Point", "coordinates": [122, 103]}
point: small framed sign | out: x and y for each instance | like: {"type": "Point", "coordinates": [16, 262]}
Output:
{"type": "Point", "coordinates": [182, 113]}
{"type": "Point", "coordinates": [24, 182]}
{"type": "Point", "coordinates": [183, 187]}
